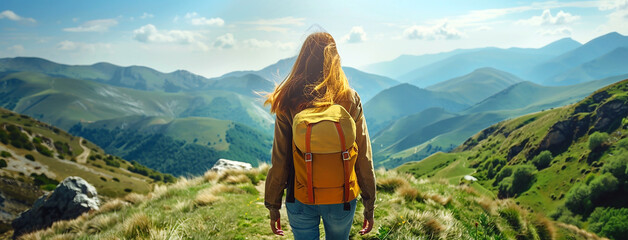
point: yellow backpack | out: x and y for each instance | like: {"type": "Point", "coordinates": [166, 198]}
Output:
{"type": "Point", "coordinates": [324, 155]}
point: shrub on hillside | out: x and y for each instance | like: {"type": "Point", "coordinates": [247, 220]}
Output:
{"type": "Point", "coordinates": [617, 165]}
{"type": "Point", "coordinates": [30, 157]}
{"type": "Point", "coordinates": [493, 166]}
{"type": "Point", "coordinates": [542, 160]}
{"type": "Point", "coordinates": [622, 143]}
{"type": "Point", "coordinates": [505, 188]}
{"type": "Point", "coordinates": [5, 154]}
{"type": "Point", "coordinates": [4, 137]}
{"type": "Point", "coordinates": [597, 139]}
{"type": "Point", "coordinates": [602, 185]}
{"type": "Point", "coordinates": [18, 138]}
{"type": "Point", "coordinates": [609, 222]}
{"type": "Point", "coordinates": [504, 173]}
{"type": "Point", "coordinates": [522, 176]}
{"type": "Point", "coordinates": [43, 150]}
{"type": "Point", "coordinates": [579, 199]}
{"type": "Point", "coordinates": [3, 163]}
{"type": "Point", "coordinates": [519, 182]}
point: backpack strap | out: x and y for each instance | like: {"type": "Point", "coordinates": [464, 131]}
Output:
{"type": "Point", "coordinates": [345, 163]}
{"type": "Point", "coordinates": [308, 163]}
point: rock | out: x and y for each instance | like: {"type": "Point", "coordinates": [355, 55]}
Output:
{"type": "Point", "coordinates": [610, 115]}
{"type": "Point", "coordinates": [224, 164]}
{"type": "Point", "coordinates": [72, 197]}
{"type": "Point", "coordinates": [470, 178]}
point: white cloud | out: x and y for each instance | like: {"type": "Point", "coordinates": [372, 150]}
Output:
{"type": "Point", "coordinates": [16, 49]}
{"type": "Point", "coordinates": [202, 21]}
{"type": "Point", "coordinates": [617, 17]}
{"type": "Point", "coordinates": [8, 14]}
{"type": "Point", "coordinates": [225, 41]}
{"type": "Point", "coordinates": [147, 15]}
{"type": "Point", "coordinates": [356, 35]}
{"type": "Point", "coordinates": [81, 46]}
{"type": "Point", "coordinates": [563, 31]}
{"type": "Point", "coordinates": [435, 32]}
{"type": "Point", "coordinates": [255, 43]}
{"type": "Point", "coordinates": [149, 34]}
{"type": "Point", "coordinates": [99, 25]}
{"type": "Point", "coordinates": [546, 18]}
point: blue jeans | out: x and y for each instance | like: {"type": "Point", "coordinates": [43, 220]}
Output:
{"type": "Point", "coordinates": [305, 219]}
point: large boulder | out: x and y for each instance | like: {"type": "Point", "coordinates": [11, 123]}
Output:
{"type": "Point", "coordinates": [224, 164]}
{"type": "Point", "coordinates": [72, 197]}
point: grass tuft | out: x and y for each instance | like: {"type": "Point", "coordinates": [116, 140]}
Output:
{"type": "Point", "coordinates": [409, 193]}
{"type": "Point", "coordinates": [433, 228]}
{"type": "Point", "coordinates": [544, 228]}
{"type": "Point", "coordinates": [206, 197]}
{"type": "Point", "coordinates": [135, 198]}
{"type": "Point", "coordinates": [113, 205]}
{"type": "Point", "coordinates": [237, 179]}
{"type": "Point", "coordinates": [390, 184]}
{"type": "Point", "coordinates": [100, 223]}
{"type": "Point", "coordinates": [222, 188]}
{"type": "Point", "coordinates": [138, 226]}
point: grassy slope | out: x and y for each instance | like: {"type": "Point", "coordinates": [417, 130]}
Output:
{"type": "Point", "coordinates": [403, 100]}
{"type": "Point", "coordinates": [228, 206]}
{"type": "Point", "coordinates": [548, 190]}
{"type": "Point", "coordinates": [64, 101]}
{"type": "Point", "coordinates": [64, 168]}
{"type": "Point", "coordinates": [517, 100]}
{"type": "Point", "coordinates": [478, 85]}
{"type": "Point", "coordinates": [179, 146]}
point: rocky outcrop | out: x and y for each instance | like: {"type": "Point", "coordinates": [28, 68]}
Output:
{"type": "Point", "coordinates": [586, 119]}
{"type": "Point", "coordinates": [224, 164]}
{"type": "Point", "coordinates": [609, 115]}
{"type": "Point", "coordinates": [72, 197]}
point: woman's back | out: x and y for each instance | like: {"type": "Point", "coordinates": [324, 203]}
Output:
{"type": "Point", "coordinates": [316, 81]}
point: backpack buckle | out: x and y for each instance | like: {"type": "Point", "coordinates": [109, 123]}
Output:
{"type": "Point", "coordinates": [346, 156]}
{"type": "Point", "coordinates": [308, 157]}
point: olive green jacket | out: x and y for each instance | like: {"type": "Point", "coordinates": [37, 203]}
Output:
{"type": "Point", "coordinates": [280, 172]}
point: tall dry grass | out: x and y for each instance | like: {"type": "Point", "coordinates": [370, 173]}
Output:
{"type": "Point", "coordinates": [137, 226]}
{"type": "Point", "coordinates": [206, 197]}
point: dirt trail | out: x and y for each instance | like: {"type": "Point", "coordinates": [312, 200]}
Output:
{"type": "Point", "coordinates": [82, 158]}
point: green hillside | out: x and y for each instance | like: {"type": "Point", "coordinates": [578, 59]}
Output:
{"type": "Point", "coordinates": [404, 126]}
{"type": "Point", "coordinates": [527, 97]}
{"type": "Point", "coordinates": [522, 98]}
{"type": "Point", "coordinates": [477, 85]}
{"type": "Point", "coordinates": [403, 100]}
{"type": "Point", "coordinates": [182, 146]}
{"type": "Point", "coordinates": [567, 163]}
{"type": "Point", "coordinates": [35, 157]}
{"type": "Point", "coordinates": [366, 84]}
{"type": "Point", "coordinates": [230, 206]}
{"type": "Point", "coordinates": [64, 101]}
{"type": "Point", "coordinates": [135, 77]}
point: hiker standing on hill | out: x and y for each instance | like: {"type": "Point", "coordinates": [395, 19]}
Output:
{"type": "Point", "coordinates": [321, 151]}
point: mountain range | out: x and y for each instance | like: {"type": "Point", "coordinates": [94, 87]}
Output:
{"type": "Point", "coordinates": [562, 62]}
{"type": "Point", "coordinates": [472, 87]}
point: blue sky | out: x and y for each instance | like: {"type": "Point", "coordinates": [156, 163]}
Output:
{"type": "Point", "coordinates": [211, 38]}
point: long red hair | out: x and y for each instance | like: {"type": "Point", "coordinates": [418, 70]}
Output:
{"type": "Point", "coordinates": [316, 79]}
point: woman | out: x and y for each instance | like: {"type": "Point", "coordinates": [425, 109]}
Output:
{"type": "Point", "coordinates": [316, 80]}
